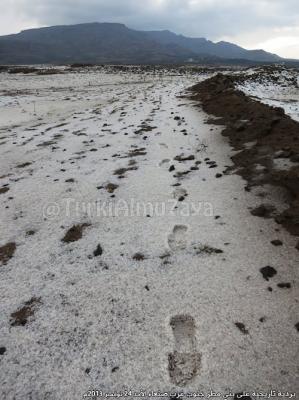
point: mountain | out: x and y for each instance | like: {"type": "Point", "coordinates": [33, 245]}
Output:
{"type": "Point", "coordinates": [202, 46]}
{"type": "Point", "coordinates": [88, 43]}
{"type": "Point", "coordinates": [99, 43]}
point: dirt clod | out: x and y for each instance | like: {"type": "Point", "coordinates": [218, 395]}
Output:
{"type": "Point", "coordinates": [4, 189]}
{"type": "Point", "coordinates": [138, 257]}
{"type": "Point", "coordinates": [7, 252]}
{"type": "Point", "coordinates": [242, 328]}
{"type": "Point", "coordinates": [75, 233]}
{"type": "Point", "coordinates": [20, 317]}
{"type": "Point", "coordinates": [284, 285]}
{"type": "Point", "coordinates": [268, 272]}
{"type": "Point", "coordinates": [98, 251]}
{"type": "Point", "coordinates": [111, 187]}
{"type": "Point", "coordinates": [277, 242]}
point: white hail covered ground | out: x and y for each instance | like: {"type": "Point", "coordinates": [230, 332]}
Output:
{"type": "Point", "coordinates": [112, 322]}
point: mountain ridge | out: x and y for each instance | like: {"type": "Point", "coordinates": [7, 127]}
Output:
{"type": "Point", "coordinates": [221, 49]}
{"type": "Point", "coordinates": [116, 43]}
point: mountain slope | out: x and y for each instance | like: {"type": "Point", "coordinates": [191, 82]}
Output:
{"type": "Point", "coordinates": [221, 49]}
{"type": "Point", "coordinates": [115, 43]}
{"type": "Point", "coordinates": [94, 43]}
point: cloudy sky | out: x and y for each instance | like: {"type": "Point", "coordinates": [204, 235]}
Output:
{"type": "Point", "coordinates": [269, 24]}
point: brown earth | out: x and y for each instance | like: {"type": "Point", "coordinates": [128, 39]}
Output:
{"type": "Point", "coordinates": [7, 252]}
{"type": "Point", "coordinates": [4, 189]}
{"type": "Point", "coordinates": [20, 317]}
{"type": "Point", "coordinates": [75, 233]}
{"type": "Point", "coordinates": [269, 131]}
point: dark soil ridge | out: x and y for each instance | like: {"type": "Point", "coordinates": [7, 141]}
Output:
{"type": "Point", "coordinates": [272, 133]}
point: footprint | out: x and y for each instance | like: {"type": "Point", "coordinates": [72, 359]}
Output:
{"type": "Point", "coordinates": [177, 240]}
{"type": "Point", "coordinates": [163, 145]}
{"type": "Point", "coordinates": [164, 162]}
{"type": "Point", "coordinates": [184, 363]}
{"type": "Point", "coordinates": [180, 194]}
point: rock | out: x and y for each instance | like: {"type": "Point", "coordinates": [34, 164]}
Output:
{"type": "Point", "coordinates": [7, 252]}
{"type": "Point", "coordinates": [138, 257]}
{"type": "Point", "coordinates": [75, 233]}
{"type": "Point", "coordinates": [2, 351]}
{"type": "Point", "coordinates": [98, 251]}
{"type": "Point", "coordinates": [268, 272]}
{"type": "Point", "coordinates": [21, 316]}
{"type": "Point", "coordinates": [284, 285]}
{"type": "Point", "coordinates": [111, 187]}
{"type": "Point", "coordinates": [277, 242]}
{"type": "Point", "coordinates": [242, 328]}
{"type": "Point", "coordinates": [182, 158]}
{"type": "Point", "coordinates": [4, 189]}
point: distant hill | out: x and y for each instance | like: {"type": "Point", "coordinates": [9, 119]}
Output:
{"type": "Point", "coordinates": [100, 43]}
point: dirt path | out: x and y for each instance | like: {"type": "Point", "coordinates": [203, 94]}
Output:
{"type": "Point", "coordinates": [137, 263]}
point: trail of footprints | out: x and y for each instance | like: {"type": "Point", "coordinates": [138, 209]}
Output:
{"type": "Point", "coordinates": [184, 362]}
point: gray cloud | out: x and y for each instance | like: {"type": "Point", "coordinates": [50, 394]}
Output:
{"type": "Point", "coordinates": [215, 19]}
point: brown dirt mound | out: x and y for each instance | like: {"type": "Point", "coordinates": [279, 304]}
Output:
{"type": "Point", "coordinates": [20, 317]}
{"type": "Point", "coordinates": [7, 252]}
{"type": "Point", "coordinates": [271, 133]}
{"type": "Point", "coordinates": [75, 233]}
{"type": "Point", "coordinates": [4, 189]}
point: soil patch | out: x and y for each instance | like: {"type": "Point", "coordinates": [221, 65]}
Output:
{"type": "Point", "coordinates": [75, 233]}
{"type": "Point", "coordinates": [7, 252]}
{"type": "Point", "coordinates": [20, 317]}
{"type": "Point", "coordinates": [273, 134]}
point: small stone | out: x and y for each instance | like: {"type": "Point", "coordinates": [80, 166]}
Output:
{"type": "Point", "coordinates": [268, 272]}
{"type": "Point", "coordinates": [242, 328]}
{"type": "Point", "coordinates": [98, 251]}
{"type": "Point", "coordinates": [2, 350]}
{"type": "Point", "coordinates": [277, 242]}
{"type": "Point", "coordinates": [284, 285]}
{"type": "Point", "coordinates": [138, 257]}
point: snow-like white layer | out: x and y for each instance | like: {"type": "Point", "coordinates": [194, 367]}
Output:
{"type": "Point", "coordinates": [280, 93]}
{"type": "Point", "coordinates": [104, 322]}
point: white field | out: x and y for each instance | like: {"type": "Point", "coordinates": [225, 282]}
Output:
{"type": "Point", "coordinates": [279, 94]}
{"type": "Point", "coordinates": [104, 322]}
